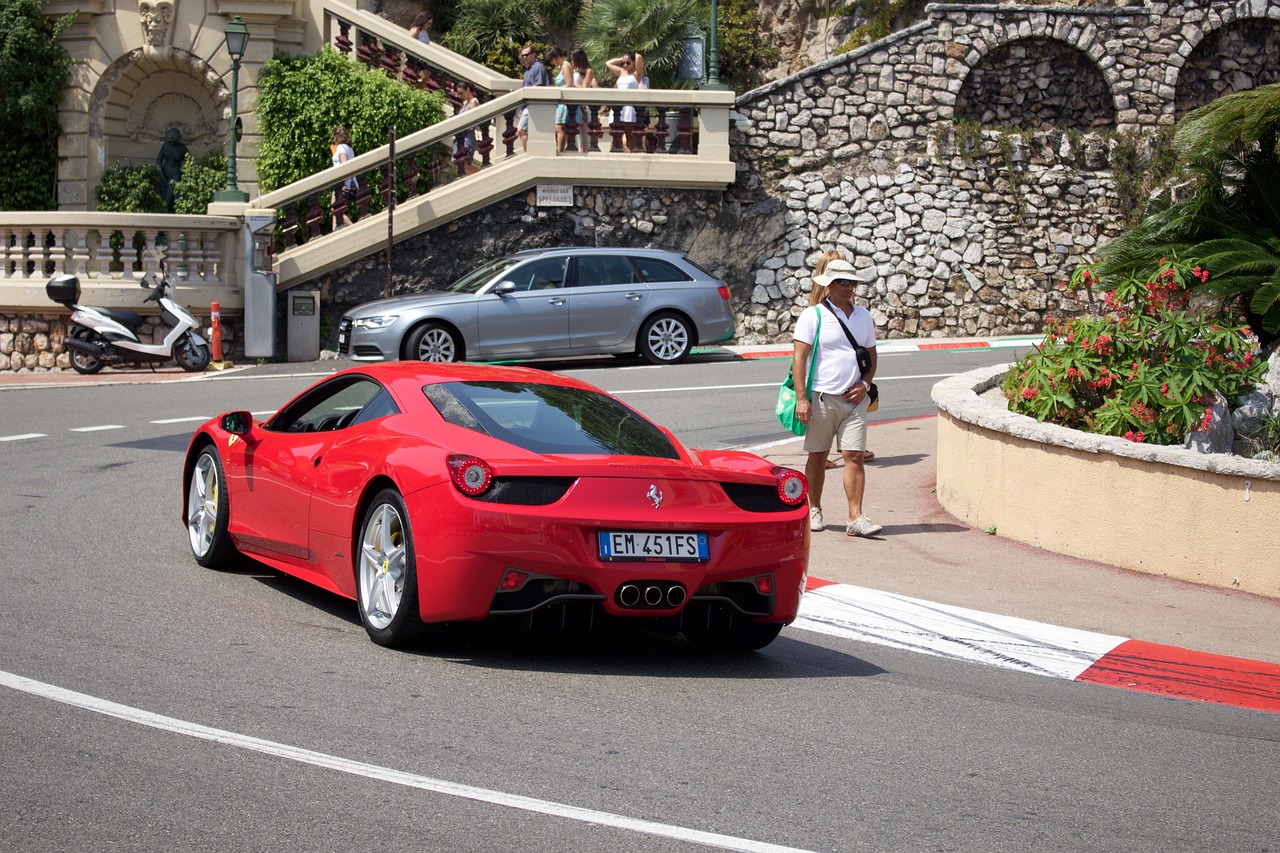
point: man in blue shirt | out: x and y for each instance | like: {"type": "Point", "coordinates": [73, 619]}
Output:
{"type": "Point", "coordinates": [535, 74]}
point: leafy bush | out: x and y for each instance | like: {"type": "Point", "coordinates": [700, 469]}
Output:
{"type": "Point", "coordinates": [127, 188]}
{"type": "Point", "coordinates": [1147, 368]}
{"type": "Point", "coordinates": [200, 180]}
{"type": "Point", "coordinates": [34, 68]}
{"type": "Point", "coordinates": [302, 98]}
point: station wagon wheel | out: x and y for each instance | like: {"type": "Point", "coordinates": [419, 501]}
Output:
{"type": "Point", "coordinates": [386, 575]}
{"type": "Point", "coordinates": [208, 511]}
{"type": "Point", "coordinates": [665, 338]}
{"type": "Point", "coordinates": [433, 342]}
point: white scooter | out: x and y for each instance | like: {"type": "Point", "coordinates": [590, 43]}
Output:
{"type": "Point", "coordinates": [109, 336]}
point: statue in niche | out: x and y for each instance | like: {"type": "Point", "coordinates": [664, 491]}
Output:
{"type": "Point", "coordinates": [172, 153]}
{"type": "Point", "coordinates": [156, 17]}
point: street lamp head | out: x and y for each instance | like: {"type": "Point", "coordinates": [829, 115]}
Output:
{"type": "Point", "coordinates": [237, 38]}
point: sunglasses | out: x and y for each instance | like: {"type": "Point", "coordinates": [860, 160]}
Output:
{"type": "Point", "coordinates": [525, 55]}
{"type": "Point", "coordinates": [843, 282]}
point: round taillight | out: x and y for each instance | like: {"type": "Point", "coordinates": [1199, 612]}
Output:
{"type": "Point", "coordinates": [470, 475]}
{"type": "Point", "coordinates": [793, 488]}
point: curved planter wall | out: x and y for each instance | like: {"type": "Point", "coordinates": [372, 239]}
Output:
{"type": "Point", "coordinates": [1206, 518]}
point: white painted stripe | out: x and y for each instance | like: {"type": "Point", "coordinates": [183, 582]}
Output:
{"type": "Point", "coordinates": [22, 437]}
{"type": "Point", "coordinates": [97, 428]}
{"type": "Point", "coordinates": [879, 379]}
{"type": "Point", "coordinates": [956, 633]}
{"type": "Point", "coordinates": [181, 420]}
{"type": "Point", "coordinates": [382, 774]}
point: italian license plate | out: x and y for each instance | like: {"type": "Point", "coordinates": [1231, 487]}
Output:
{"type": "Point", "coordinates": [664, 547]}
{"type": "Point", "coordinates": [342, 339]}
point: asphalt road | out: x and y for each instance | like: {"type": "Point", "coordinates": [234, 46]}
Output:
{"type": "Point", "coordinates": [246, 710]}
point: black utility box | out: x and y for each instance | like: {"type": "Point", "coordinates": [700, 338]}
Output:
{"type": "Point", "coordinates": [64, 289]}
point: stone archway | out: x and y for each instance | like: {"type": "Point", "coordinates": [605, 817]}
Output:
{"type": "Point", "coordinates": [1037, 84]}
{"type": "Point", "coordinates": [139, 97]}
{"type": "Point", "coordinates": [1235, 57]}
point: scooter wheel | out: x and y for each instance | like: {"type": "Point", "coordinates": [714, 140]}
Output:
{"type": "Point", "coordinates": [190, 356]}
{"type": "Point", "coordinates": [82, 362]}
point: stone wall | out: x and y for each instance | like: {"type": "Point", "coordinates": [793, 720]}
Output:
{"type": "Point", "coordinates": [966, 236]}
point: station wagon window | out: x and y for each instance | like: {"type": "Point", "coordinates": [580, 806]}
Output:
{"type": "Point", "coordinates": [549, 419]}
{"type": "Point", "coordinates": [652, 269]}
{"type": "Point", "coordinates": [597, 270]}
{"type": "Point", "coordinates": [544, 274]}
{"type": "Point", "coordinates": [334, 405]}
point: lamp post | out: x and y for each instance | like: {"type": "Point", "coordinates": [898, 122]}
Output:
{"type": "Point", "coordinates": [713, 55]}
{"type": "Point", "coordinates": [237, 38]}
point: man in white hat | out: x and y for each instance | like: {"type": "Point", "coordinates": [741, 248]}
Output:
{"type": "Point", "coordinates": [838, 391]}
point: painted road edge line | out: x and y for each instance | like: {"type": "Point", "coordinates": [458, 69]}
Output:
{"type": "Point", "coordinates": [383, 774]}
{"type": "Point", "coordinates": [1038, 648]}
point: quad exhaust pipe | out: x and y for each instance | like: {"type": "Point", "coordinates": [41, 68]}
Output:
{"type": "Point", "coordinates": [651, 595]}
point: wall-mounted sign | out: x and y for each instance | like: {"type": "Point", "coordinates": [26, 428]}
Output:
{"type": "Point", "coordinates": [555, 195]}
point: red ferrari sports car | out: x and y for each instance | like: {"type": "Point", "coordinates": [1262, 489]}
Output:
{"type": "Point", "coordinates": [437, 493]}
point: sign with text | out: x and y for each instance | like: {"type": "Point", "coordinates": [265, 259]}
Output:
{"type": "Point", "coordinates": [555, 195]}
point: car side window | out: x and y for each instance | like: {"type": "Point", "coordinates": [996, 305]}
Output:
{"type": "Point", "coordinates": [652, 269]}
{"type": "Point", "coordinates": [543, 274]}
{"type": "Point", "coordinates": [331, 406]}
{"type": "Point", "coordinates": [598, 270]}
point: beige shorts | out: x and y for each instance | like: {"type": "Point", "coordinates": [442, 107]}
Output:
{"type": "Point", "coordinates": [835, 419]}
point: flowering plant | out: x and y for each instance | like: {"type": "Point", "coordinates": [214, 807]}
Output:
{"type": "Point", "coordinates": [1145, 367]}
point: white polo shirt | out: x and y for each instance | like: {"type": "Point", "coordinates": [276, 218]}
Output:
{"type": "Point", "coordinates": [837, 369]}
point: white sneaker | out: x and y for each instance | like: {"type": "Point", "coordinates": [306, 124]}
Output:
{"type": "Point", "coordinates": [815, 518]}
{"type": "Point", "coordinates": [862, 526]}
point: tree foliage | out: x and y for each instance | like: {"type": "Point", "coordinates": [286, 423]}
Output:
{"type": "Point", "coordinates": [745, 49]}
{"type": "Point", "coordinates": [302, 98]}
{"type": "Point", "coordinates": [1229, 154]}
{"type": "Point", "coordinates": [34, 68]}
{"type": "Point", "coordinates": [653, 28]}
{"type": "Point", "coordinates": [492, 31]}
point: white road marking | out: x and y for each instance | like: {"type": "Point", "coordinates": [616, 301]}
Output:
{"type": "Point", "coordinates": [383, 774]}
{"type": "Point", "coordinates": [956, 633]}
{"type": "Point", "coordinates": [22, 437]}
{"type": "Point", "coordinates": [97, 428]}
{"type": "Point", "coordinates": [879, 379]}
{"type": "Point", "coordinates": [181, 420]}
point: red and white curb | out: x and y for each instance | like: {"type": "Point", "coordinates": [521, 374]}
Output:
{"type": "Point", "coordinates": [894, 346]}
{"type": "Point", "coordinates": [1038, 648]}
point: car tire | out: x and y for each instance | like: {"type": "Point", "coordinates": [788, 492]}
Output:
{"type": "Point", "coordinates": [386, 573]}
{"type": "Point", "coordinates": [209, 511]}
{"type": "Point", "coordinates": [434, 342]}
{"type": "Point", "coordinates": [737, 633]}
{"type": "Point", "coordinates": [665, 338]}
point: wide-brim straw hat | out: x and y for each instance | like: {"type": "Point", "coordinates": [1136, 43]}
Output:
{"type": "Point", "coordinates": [836, 269]}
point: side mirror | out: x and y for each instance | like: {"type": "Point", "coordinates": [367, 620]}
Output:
{"type": "Point", "coordinates": [237, 423]}
{"type": "Point", "coordinates": [502, 288]}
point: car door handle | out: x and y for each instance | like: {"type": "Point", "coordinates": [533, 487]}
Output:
{"type": "Point", "coordinates": [634, 297]}
{"type": "Point", "coordinates": [555, 300]}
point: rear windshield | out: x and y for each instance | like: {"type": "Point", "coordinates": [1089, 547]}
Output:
{"type": "Point", "coordinates": [549, 418]}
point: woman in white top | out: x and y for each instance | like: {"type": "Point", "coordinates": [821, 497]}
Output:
{"type": "Point", "coordinates": [629, 69]}
{"type": "Point", "coordinates": [342, 152]}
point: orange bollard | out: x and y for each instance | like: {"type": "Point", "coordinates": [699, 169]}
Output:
{"type": "Point", "coordinates": [215, 323]}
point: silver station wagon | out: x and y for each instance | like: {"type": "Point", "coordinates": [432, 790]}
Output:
{"type": "Point", "coordinates": [550, 302]}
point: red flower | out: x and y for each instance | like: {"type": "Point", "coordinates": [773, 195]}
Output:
{"type": "Point", "coordinates": [1029, 393]}
{"type": "Point", "coordinates": [1136, 437]}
